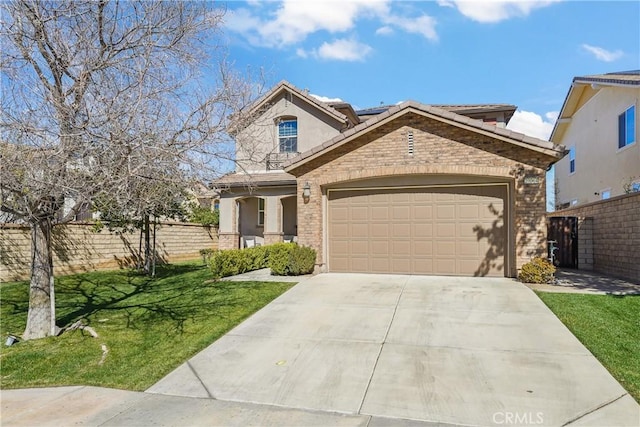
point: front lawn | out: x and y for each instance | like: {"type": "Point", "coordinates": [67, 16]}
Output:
{"type": "Point", "coordinates": [149, 326]}
{"type": "Point", "coordinates": [609, 326]}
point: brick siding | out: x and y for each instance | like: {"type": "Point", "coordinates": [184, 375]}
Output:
{"type": "Point", "coordinates": [615, 228]}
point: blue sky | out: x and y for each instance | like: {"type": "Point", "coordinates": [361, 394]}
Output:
{"type": "Point", "coordinates": [437, 52]}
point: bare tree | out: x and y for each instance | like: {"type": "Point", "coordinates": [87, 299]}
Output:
{"type": "Point", "coordinates": [99, 97]}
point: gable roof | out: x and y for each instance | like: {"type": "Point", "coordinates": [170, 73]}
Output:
{"type": "Point", "coordinates": [463, 109]}
{"type": "Point", "coordinates": [285, 86]}
{"type": "Point", "coordinates": [583, 89]}
{"type": "Point", "coordinates": [516, 138]}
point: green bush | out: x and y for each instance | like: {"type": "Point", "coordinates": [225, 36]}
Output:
{"type": "Point", "coordinates": [279, 258]}
{"type": "Point", "coordinates": [237, 261]}
{"type": "Point", "coordinates": [538, 270]}
{"type": "Point", "coordinates": [289, 259]}
{"type": "Point", "coordinates": [302, 260]}
{"type": "Point", "coordinates": [284, 259]}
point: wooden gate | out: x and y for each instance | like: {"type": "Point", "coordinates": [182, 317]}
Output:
{"type": "Point", "coordinates": [562, 232]}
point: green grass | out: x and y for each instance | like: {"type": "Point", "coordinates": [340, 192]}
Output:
{"type": "Point", "coordinates": [609, 326]}
{"type": "Point", "coordinates": [150, 326]}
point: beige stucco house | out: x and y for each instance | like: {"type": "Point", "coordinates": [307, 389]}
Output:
{"type": "Point", "coordinates": [411, 188]}
{"type": "Point", "coordinates": [598, 124]}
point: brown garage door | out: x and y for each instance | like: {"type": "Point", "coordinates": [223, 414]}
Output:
{"type": "Point", "coordinates": [446, 230]}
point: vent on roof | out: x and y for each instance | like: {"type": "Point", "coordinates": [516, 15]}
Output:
{"type": "Point", "coordinates": [410, 143]}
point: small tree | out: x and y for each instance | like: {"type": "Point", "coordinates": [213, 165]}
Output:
{"type": "Point", "coordinates": [103, 101]}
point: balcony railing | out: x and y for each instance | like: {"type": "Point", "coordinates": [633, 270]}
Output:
{"type": "Point", "coordinates": [275, 160]}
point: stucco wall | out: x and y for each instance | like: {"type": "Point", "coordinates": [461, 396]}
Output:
{"type": "Point", "coordinates": [615, 227]}
{"type": "Point", "coordinates": [600, 165]}
{"type": "Point", "coordinates": [77, 248]}
{"type": "Point", "coordinates": [439, 149]}
{"type": "Point", "coordinates": [261, 137]}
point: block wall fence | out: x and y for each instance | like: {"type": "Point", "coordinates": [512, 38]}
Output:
{"type": "Point", "coordinates": [78, 249]}
{"type": "Point", "coordinates": [614, 228]}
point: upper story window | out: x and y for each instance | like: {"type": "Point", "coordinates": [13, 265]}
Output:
{"type": "Point", "coordinates": [288, 135]}
{"type": "Point", "coordinates": [605, 194]}
{"type": "Point", "coordinates": [260, 211]}
{"type": "Point", "coordinates": [572, 159]}
{"type": "Point", "coordinates": [627, 127]}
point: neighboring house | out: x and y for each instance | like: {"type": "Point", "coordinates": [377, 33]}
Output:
{"type": "Point", "coordinates": [598, 124]}
{"type": "Point", "coordinates": [411, 188]}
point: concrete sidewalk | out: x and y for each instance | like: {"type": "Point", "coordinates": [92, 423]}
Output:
{"type": "Point", "coordinates": [588, 282]}
{"type": "Point", "coordinates": [367, 350]}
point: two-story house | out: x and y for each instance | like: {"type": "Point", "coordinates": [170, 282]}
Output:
{"type": "Point", "coordinates": [598, 124]}
{"type": "Point", "coordinates": [409, 188]}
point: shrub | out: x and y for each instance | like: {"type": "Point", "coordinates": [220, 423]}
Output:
{"type": "Point", "coordinates": [538, 270]}
{"type": "Point", "coordinates": [279, 258]}
{"type": "Point", "coordinates": [289, 259]}
{"type": "Point", "coordinates": [302, 260]}
{"type": "Point", "coordinates": [236, 261]}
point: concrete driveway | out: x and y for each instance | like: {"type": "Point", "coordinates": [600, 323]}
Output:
{"type": "Point", "coordinates": [472, 351]}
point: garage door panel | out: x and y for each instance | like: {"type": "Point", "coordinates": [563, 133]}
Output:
{"type": "Point", "coordinates": [359, 213]}
{"type": "Point", "coordinates": [379, 248]}
{"type": "Point", "coordinates": [359, 248]}
{"type": "Point", "coordinates": [379, 213]}
{"type": "Point", "coordinates": [446, 266]}
{"type": "Point", "coordinates": [359, 264]}
{"type": "Point", "coordinates": [422, 248]}
{"type": "Point", "coordinates": [444, 248]}
{"type": "Point", "coordinates": [422, 266]}
{"type": "Point", "coordinates": [380, 264]}
{"type": "Point", "coordinates": [400, 265]}
{"type": "Point", "coordinates": [359, 230]}
{"type": "Point", "coordinates": [400, 247]}
{"type": "Point", "coordinates": [421, 231]}
{"type": "Point", "coordinates": [401, 213]}
{"type": "Point", "coordinates": [424, 213]}
{"type": "Point", "coordinates": [379, 230]}
{"type": "Point", "coordinates": [445, 211]}
{"type": "Point", "coordinates": [447, 230]}
{"type": "Point", "coordinates": [402, 231]}
{"type": "Point", "coordinates": [467, 211]}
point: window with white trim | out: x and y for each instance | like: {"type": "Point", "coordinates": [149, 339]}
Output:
{"type": "Point", "coordinates": [635, 187]}
{"type": "Point", "coordinates": [605, 194]}
{"type": "Point", "coordinates": [572, 159]}
{"type": "Point", "coordinates": [260, 211]}
{"type": "Point", "coordinates": [627, 127]}
{"type": "Point", "coordinates": [288, 135]}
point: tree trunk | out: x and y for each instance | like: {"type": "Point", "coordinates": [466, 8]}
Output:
{"type": "Point", "coordinates": [41, 317]}
{"type": "Point", "coordinates": [147, 245]}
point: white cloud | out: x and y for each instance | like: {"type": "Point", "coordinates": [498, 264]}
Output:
{"type": "Point", "coordinates": [343, 50]}
{"type": "Point", "coordinates": [424, 25]}
{"type": "Point", "coordinates": [533, 124]}
{"type": "Point", "coordinates": [294, 20]}
{"type": "Point", "coordinates": [489, 11]}
{"type": "Point", "coordinates": [290, 22]}
{"type": "Point", "coordinates": [325, 98]}
{"type": "Point", "coordinates": [384, 31]}
{"type": "Point", "coordinates": [603, 54]}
